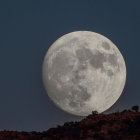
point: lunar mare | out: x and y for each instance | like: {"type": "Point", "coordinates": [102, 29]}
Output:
{"type": "Point", "coordinates": [83, 72]}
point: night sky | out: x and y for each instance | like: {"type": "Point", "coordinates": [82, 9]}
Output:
{"type": "Point", "coordinates": [29, 27]}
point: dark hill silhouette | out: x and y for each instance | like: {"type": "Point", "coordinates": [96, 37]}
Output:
{"type": "Point", "coordinates": [123, 125]}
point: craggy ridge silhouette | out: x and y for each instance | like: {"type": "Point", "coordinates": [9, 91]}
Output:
{"type": "Point", "coordinates": [123, 125]}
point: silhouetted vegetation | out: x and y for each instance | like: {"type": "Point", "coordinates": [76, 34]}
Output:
{"type": "Point", "coordinates": [135, 108]}
{"type": "Point", "coordinates": [123, 125]}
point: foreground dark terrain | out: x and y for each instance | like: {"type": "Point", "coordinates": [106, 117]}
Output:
{"type": "Point", "coordinates": [116, 126]}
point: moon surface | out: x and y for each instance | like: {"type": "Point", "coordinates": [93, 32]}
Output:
{"type": "Point", "coordinates": [82, 72]}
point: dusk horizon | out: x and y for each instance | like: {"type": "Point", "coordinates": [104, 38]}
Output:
{"type": "Point", "coordinates": [47, 79]}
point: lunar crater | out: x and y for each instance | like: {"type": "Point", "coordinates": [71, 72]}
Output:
{"type": "Point", "coordinates": [79, 96]}
{"type": "Point", "coordinates": [106, 45]}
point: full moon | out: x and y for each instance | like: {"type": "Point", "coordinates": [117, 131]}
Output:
{"type": "Point", "coordinates": [82, 72]}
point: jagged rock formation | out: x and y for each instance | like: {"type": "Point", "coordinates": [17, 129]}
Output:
{"type": "Point", "coordinates": [116, 126]}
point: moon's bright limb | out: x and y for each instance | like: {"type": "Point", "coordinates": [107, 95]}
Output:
{"type": "Point", "coordinates": [83, 72]}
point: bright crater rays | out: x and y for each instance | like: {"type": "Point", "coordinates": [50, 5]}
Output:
{"type": "Point", "coordinates": [83, 72]}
